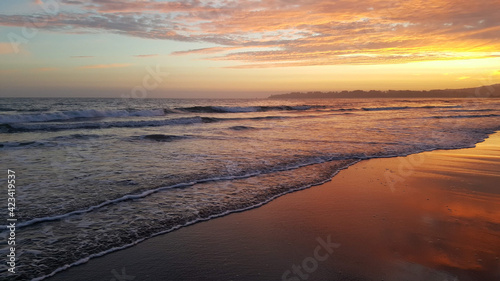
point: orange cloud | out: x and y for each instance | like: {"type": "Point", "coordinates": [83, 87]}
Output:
{"type": "Point", "coordinates": [101, 66]}
{"type": "Point", "coordinates": [299, 32]}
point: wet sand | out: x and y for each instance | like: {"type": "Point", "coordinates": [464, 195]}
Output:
{"type": "Point", "coordinates": [429, 216]}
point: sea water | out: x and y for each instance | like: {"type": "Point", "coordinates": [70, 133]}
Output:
{"type": "Point", "coordinates": [97, 175]}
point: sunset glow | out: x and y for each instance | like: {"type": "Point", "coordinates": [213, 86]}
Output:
{"type": "Point", "coordinates": [245, 48]}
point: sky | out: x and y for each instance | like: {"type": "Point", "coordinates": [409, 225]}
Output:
{"type": "Point", "coordinates": [244, 48]}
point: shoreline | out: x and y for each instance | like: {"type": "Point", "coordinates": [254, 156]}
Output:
{"type": "Point", "coordinates": [107, 266]}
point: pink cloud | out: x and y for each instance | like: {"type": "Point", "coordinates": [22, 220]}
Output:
{"type": "Point", "coordinates": [146, 56]}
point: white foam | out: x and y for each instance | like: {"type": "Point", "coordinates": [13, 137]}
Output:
{"type": "Point", "coordinates": [114, 249]}
{"type": "Point", "coordinates": [312, 161]}
{"type": "Point", "coordinates": [104, 125]}
{"type": "Point", "coordinates": [78, 114]}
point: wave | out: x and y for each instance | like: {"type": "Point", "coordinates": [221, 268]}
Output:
{"type": "Point", "coordinates": [79, 115]}
{"type": "Point", "coordinates": [76, 115]}
{"type": "Point", "coordinates": [407, 107]}
{"type": "Point", "coordinates": [18, 128]}
{"type": "Point", "coordinates": [218, 109]}
{"type": "Point", "coordinates": [76, 136]}
{"type": "Point", "coordinates": [18, 144]}
{"type": "Point", "coordinates": [55, 141]}
{"type": "Point", "coordinates": [82, 115]}
{"type": "Point", "coordinates": [240, 109]}
{"type": "Point", "coordinates": [6, 128]}
{"type": "Point", "coordinates": [5, 109]}
{"type": "Point", "coordinates": [162, 138]}
{"type": "Point", "coordinates": [241, 128]}
{"type": "Point", "coordinates": [28, 127]}
{"type": "Point", "coordinates": [15, 128]}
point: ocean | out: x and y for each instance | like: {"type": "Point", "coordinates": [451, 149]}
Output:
{"type": "Point", "coordinates": [97, 175]}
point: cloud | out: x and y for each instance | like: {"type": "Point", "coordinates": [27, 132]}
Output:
{"type": "Point", "coordinates": [101, 66]}
{"type": "Point", "coordinates": [206, 50]}
{"type": "Point", "coordinates": [81, 57]}
{"type": "Point", "coordinates": [146, 56]}
{"type": "Point", "coordinates": [463, 78]}
{"type": "Point", "coordinates": [298, 32]}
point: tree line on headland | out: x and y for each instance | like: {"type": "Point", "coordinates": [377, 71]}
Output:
{"type": "Point", "coordinates": [491, 91]}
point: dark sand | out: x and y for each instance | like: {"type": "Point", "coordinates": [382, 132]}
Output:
{"type": "Point", "coordinates": [430, 216]}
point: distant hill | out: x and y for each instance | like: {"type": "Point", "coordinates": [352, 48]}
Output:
{"type": "Point", "coordinates": [492, 91]}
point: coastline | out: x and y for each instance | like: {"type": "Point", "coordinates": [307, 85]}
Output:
{"type": "Point", "coordinates": [433, 216]}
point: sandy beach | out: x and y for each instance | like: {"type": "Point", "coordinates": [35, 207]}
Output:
{"type": "Point", "coordinates": [428, 216]}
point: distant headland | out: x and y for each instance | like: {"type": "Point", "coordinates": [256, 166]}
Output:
{"type": "Point", "coordinates": [491, 91]}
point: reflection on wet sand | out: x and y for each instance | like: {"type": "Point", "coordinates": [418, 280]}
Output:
{"type": "Point", "coordinates": [439, 221]}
